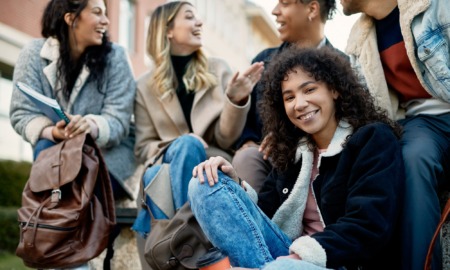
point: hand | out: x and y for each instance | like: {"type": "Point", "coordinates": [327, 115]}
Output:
{"type": "Point", "coordinates": [264, 148]}
{"type": "Point", "coordinates": [77, 125]}
{"type": "Point", "coordinates": [205, 145]}
{"type": "Point", "coordinates": [210, 167]}
{"type": "Point", "coordinates": [241, 86]}
{"type": "Point", "coordinates": [58, 131]}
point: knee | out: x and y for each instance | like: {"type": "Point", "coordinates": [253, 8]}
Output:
{"type": "Point", "coordinates": [188, 142]}
{"type": "Point", "coordinates": [418, 155]}
{"type": "Point", "coordinates": [193, 188]}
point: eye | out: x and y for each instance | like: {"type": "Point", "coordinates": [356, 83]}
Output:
{"type": "Point", "coordinates": [310, 90]}
{"type": "Point", "coordinates": [288, 98]}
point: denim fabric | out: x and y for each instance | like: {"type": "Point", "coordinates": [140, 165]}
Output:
{"type": "Point", "coordinates": [235, 224]}
{"type": "Point", "coordinates": [41, 145]}
{"type": "Point", "coordinates": [291, 264]}
{"type": "Point", "coordinates": [183, 155]}
{"type": "Point", "coordinates": [426, 145]}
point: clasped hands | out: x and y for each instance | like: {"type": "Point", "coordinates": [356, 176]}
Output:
{"type": "Point", "coordinates": [78, 124]}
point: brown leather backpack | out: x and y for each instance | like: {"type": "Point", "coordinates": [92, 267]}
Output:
{"type": "Point", "coordinates": [67, 210]}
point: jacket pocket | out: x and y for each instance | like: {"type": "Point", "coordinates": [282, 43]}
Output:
{"type": "Point", "coordinates": [433, 52]}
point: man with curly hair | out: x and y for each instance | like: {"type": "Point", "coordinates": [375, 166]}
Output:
{"type": "Point", "coordinates": [401, 47]}
{"type": "Point", "coordinates": [301, 23]}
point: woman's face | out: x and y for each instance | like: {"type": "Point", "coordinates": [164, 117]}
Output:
{"type": "Point", "coordinates": [292, 17]}
{"type": "Point", "coordinates": [88, 29]}
{"type": "Point", "coordinates": [185, 36]}
{"type": "Point", "coordinates": [310, 106]}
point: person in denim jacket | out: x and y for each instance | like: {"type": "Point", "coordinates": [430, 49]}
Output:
{"type": "Point", "coordinates": [334, 196]}
{"type": "Point", "coordinates": [401, 48]}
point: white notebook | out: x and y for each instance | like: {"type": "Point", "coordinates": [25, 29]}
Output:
{"type": "Point", "coordinates": [48, 106]}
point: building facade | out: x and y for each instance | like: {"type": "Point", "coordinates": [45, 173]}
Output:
{"type": "Point", "coordinates": [235, 30]}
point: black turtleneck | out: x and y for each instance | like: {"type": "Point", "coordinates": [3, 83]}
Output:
{"type": "Point", "coordinates": [186, 98]}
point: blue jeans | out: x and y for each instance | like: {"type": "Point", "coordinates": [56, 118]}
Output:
{"type": "Point", "coordinates": [426, 153]}
{"type": "Point", "coordinates": [235, 224]}
{"type": "Point", "coordinates": [183, 155]}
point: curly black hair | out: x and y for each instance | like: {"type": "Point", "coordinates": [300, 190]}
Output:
{"type": "Point", "coordinates": [94, 57]}
{"type": "Point", "coordinates": [354, 104]}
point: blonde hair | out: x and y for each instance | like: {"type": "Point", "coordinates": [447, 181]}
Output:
{"type": "Point", "coordinates": [197, 75]}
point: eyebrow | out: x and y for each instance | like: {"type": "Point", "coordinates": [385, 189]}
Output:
{"type": "Point", "coordinates": [301, 86]}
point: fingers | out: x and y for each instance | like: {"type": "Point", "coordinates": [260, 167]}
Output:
{"type": "Point", "coordinates": [210, 168]}
{"type": "Point", "coordinates": [264, 148]}
{"type": "Point", "coordinates": [77, 125]}
{"type": "Point", "coordinates": [235, 76]}
{"type": "Point", "coordinates": [254, 72]}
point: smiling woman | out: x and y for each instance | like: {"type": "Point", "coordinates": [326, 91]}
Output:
{"type": "Point", "coordinates": [187, 106]}
{"type": "Point", "coordinates": [91, 79]}
{"type": "Point", "coordinates": [321, 120]}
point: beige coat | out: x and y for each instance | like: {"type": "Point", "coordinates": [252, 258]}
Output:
{"type": "Point", "coordinates": [159, 121]}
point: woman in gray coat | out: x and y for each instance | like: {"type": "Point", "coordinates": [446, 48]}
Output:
{"type": "Point", "coordinates": [90, 78]}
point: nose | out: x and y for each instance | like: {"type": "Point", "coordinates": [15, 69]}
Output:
{"type": "Point", "coordinates": [300, 103]}
{"type": "Point", "coordinates": [199, 22]}
{"type": "Point", "coordinates": [104, 20]}
{"type": "Point", "coordinates": [276, 10]}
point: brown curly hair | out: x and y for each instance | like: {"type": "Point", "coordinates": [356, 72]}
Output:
{"type": "Point", "coordinates": [354, 104]}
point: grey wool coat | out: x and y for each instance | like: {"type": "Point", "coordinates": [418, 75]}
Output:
{"type": "Point", "coordinates": [111, 108]}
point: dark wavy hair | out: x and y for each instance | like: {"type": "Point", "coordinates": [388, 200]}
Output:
{"type": "Point", "coordinates": [94, 57]}
{"type": "Point", "coordinates": [354, 103]}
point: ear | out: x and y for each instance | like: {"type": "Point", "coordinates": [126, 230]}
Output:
{"type": "Point", "coordinates": [314, 9]}
{"type": "Point", "coordinates": [169, 34]}
{"type": "Point", "coordinates": [68, 18]}
{"type": "Point", "coordinates": [335, 94]}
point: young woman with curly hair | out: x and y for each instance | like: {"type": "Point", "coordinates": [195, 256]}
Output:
{"type": "Point", "coordinates": [301, 24]}
{"type": "Point", "coordinates": [334, 196]}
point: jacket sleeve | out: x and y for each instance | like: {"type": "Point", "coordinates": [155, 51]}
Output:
{"type": "Point", "coordinates": [231, 122]}
{"type": "Point", "coordinates": [372, 201]}
{"type": "Point", "coordinates": [253, 126]}
{"type": "Point", "coordinates": [114, 120]}
{"type": "Point", "coordinates": [25, 117]}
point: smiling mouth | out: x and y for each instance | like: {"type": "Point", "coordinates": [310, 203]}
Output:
{"type": "Point", "coordinates": [308, 115]}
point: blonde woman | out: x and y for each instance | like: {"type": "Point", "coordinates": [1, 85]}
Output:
{"type": "Point", "coordinates": [186, 104]}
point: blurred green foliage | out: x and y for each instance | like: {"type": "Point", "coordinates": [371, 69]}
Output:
{"type": "Point", "coordinates": [9, 229]}
{"type": "Point", "coordinates": [13, 176]}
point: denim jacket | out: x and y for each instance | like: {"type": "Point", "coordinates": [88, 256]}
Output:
{"type": "Point", "coordinates": [425, 27]}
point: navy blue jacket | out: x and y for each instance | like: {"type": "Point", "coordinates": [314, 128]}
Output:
{"type": "Point", "coordinates": [359, 192]}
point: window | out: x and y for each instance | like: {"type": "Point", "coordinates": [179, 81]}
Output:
{"type": "Point", "coordinates": [127, 24]}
